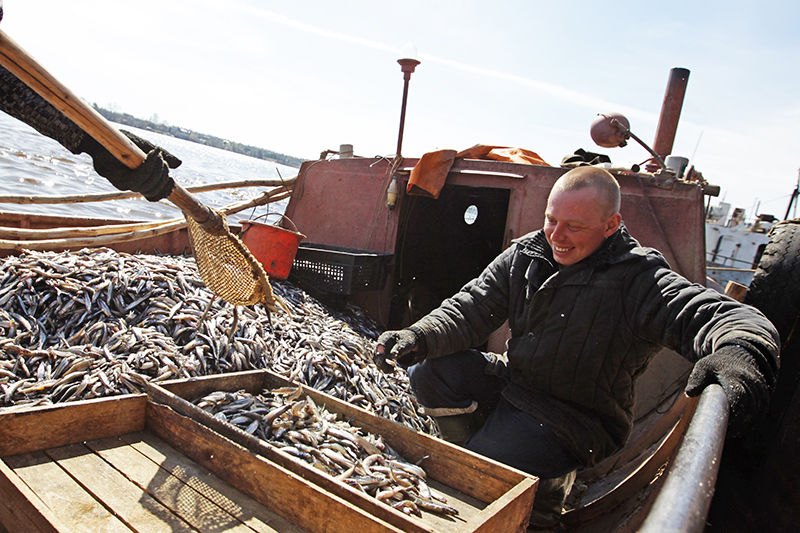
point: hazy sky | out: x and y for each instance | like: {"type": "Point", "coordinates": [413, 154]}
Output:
{"type": "Point", "coordinates": [299, 77]}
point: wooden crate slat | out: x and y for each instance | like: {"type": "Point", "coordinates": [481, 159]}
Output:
{"type": "Point", "coordinates": [250, 380]}
{"type": "Point", "coordinates": [510, 512]}
{"type": "Point", "coordinates": [249, 511]}
{"type": "Point", "coordinates": [197, 510]}
{"type": "Point", "coordinates": [22, 430]}
{"type": "Point", "coordinates": [134, 507]}
{"type": "Point", "coordinates": [70, 503]}
{"type": "Point", "coordinates": [21, 507]}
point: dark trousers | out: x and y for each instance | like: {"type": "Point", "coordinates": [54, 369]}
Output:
{"type": "Point", "coordinates": [450, 384]}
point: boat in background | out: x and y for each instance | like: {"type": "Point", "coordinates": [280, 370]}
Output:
{"type": "Point", "coordinates": [734, 245]}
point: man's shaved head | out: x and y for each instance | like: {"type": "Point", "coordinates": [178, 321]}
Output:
{"type": "Point", "coordinates": [597, 178]}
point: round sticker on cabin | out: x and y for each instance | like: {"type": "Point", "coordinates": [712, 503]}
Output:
{"type": "Point", "coordinates": [471, 214]}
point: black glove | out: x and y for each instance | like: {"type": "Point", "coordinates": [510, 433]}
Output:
{"type": "Point", "coordinates": [396, 346]}
{"type": "Point", "coordinates": [736, 370]}
{"type": "Point", "coordinates": [150, 179]}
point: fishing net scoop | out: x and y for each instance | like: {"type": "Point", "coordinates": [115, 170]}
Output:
{"type": "Point", "coordinates": [226, 266]}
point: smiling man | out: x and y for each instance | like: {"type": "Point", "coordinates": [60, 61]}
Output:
{"type": "Point", "coordinates": [588, 308]}
{"type": "Point", "coordinates": [581, 213]}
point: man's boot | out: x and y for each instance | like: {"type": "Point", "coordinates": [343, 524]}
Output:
{"type": "Point", "coordinates": [456, 429]}
{"type": "Point", "coordinates": [457, 424]}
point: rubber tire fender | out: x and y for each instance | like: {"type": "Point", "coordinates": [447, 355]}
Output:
{"type": "Point", "coordinates": [775, 289]}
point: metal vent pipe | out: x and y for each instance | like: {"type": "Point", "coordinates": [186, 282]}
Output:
{"type": "Point", "coordinates": [670, 111]}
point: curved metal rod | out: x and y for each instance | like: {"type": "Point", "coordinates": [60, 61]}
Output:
{"type": "Point", "coordinates": [617, 124]}
{"type": "Point", "coordinates": [683, 502]}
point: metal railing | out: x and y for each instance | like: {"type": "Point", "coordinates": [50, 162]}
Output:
{"type": "Point", "coordinates": [685, 497]}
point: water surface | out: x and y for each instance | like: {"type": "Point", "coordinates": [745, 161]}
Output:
{"type": "Point", "coordinates": [33, 164]}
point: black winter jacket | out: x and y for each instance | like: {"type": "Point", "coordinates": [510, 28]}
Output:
{"type": "Point", "coordinates": [21, 102]}
{"type": "Point", "coordinates": [581, 334]}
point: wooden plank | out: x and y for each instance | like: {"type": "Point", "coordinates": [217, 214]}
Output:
{"type": "Point", "coordinates": [37, 428]}
{"type": "Point", "coordinates": [20, 508]}
{"type": "Point", "coordinates": [298, 500]}
{"type": "Point", "coordinates": [193, 507]}
{"type": "Point", "coordinates": [70, 504]}
{"type": "Point", "coordinates": [245, 508]}
{"type": "Point", "coordinates": [251, 381]}
{"type": "Point", "coordinates": [139, 510]}
{"type": "Point", "coordinates": [737, 291]}
{"type": "Point", "coordinates": [512, 511]}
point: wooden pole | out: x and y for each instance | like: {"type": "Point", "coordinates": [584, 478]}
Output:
{"type": "Point", "coordinates": [106, 196]}
{"type": "Point", "coordinates": [19, 238]}
{"type": "Point", "coordinates": [737, 291]}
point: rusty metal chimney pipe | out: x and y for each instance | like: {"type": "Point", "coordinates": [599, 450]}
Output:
{"type": "Point", "coordinates": [671, 111]}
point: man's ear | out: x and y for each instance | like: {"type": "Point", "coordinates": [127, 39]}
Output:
{"type": "Point", "coordinates": [612, 224]}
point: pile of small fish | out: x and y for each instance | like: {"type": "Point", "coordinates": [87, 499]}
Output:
{"type": "Point", "coordinates": [301, 428]}
{"type": "Point", "coordinates": [95, 323]}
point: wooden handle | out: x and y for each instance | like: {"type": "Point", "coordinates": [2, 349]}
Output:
{"type": "Point", "coordinates": [189, 204]}
{"type": "Point", "coordinates": [35, 76]}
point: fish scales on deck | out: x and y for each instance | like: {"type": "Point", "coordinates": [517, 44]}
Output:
{"type": "Point", "coordinates": [96, 323]}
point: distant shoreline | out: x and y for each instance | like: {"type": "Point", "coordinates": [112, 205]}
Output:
{"type": "Point", "coordinates": [201, 138]}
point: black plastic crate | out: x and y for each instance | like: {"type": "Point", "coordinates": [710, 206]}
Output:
{"type": "Point", "coordinates": [337, 270]}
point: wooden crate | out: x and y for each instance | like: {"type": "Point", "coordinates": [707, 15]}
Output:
{"type": "Point", "coordinates": [129, 464]}
{"type": "Point", "coordinates": [489, 496]}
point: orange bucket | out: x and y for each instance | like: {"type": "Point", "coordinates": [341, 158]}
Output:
{"type": "Point", "coordinates": [273, 246]}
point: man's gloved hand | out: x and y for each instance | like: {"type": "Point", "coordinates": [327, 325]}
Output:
{"type": "Point", "coordinates": [736, 370]}
{"type": "Point", "coordinates": [151, 179]}
{"type": "Point", "coordinates": [396, 346]}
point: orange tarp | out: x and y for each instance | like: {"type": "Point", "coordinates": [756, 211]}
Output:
{"type": "Point", "coordinates": [428, 176]}
{"type": "Point", "coordinates": [502, 153]}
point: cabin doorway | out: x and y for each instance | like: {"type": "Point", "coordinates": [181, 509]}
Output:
{"type": "Point", "coordinates": [442, 244]}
